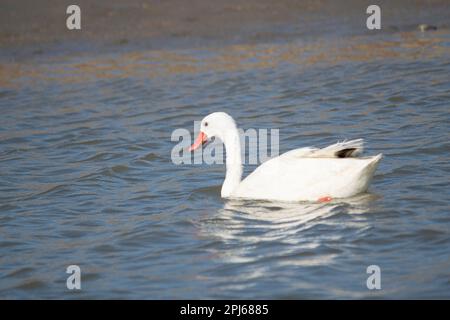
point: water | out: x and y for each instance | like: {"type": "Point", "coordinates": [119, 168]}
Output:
{"type": "Point", "coordinates": [87, 178]}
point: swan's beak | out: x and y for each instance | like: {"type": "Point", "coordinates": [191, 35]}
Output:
{"type": "Point", "coordinates": [201, 139]}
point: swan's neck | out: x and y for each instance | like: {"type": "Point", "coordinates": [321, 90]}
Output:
{"type": "Point", "coordinates": [233, 161]}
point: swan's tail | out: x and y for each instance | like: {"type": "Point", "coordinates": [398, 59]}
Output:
{"type": "Point", "coordinates": [373, 164]}
{"type": "Point", "coordinates": [366, 174]}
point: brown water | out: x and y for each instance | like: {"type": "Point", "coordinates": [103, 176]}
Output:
{"type": "Point", "coordinates": [86, 176]}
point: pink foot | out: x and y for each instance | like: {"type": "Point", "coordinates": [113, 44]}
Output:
{"type": "Point", "coordinates": [324, 199]}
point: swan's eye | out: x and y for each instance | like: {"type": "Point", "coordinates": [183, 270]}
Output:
{"type": "Point", "coordinates": [206, 124]}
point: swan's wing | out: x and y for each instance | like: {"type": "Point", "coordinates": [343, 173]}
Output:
{"type": "Point", "coordinates": [300, 153]}
{"type": "Point", "coordinates": [345, 149]}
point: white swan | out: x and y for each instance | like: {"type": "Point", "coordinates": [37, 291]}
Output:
{"type": "Point", "coordinates": [305, 174]}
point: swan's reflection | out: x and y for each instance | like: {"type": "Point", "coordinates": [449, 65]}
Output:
{"type": "Point", "coordinates": [255, 230]}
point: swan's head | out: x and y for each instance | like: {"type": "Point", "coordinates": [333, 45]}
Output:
{"type": "Point", "coordinates": [218, 125]}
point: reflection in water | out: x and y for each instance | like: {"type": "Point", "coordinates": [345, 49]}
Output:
{"type": "Point", "coordinates": [244, 223]}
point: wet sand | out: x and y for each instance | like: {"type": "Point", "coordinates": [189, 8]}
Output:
{"type": "Point", "coordinates": [30, 27]}
{"type": "Point", "coordinates": [158, 38]}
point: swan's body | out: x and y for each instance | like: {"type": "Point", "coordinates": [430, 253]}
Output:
{"type": "Point", "coordinates": [298, 175]}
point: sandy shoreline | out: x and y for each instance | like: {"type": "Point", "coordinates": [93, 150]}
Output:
{"type": "Point", "coordinates": [143, 38]}
{"type": "Point", "coordinates": [29, 28]}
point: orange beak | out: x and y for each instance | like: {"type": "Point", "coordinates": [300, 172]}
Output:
{"type": "Point", "coordinates": [201, 139]}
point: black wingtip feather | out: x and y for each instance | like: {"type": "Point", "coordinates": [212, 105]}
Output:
{"type": "Point", "coordinates": [345, 153]}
